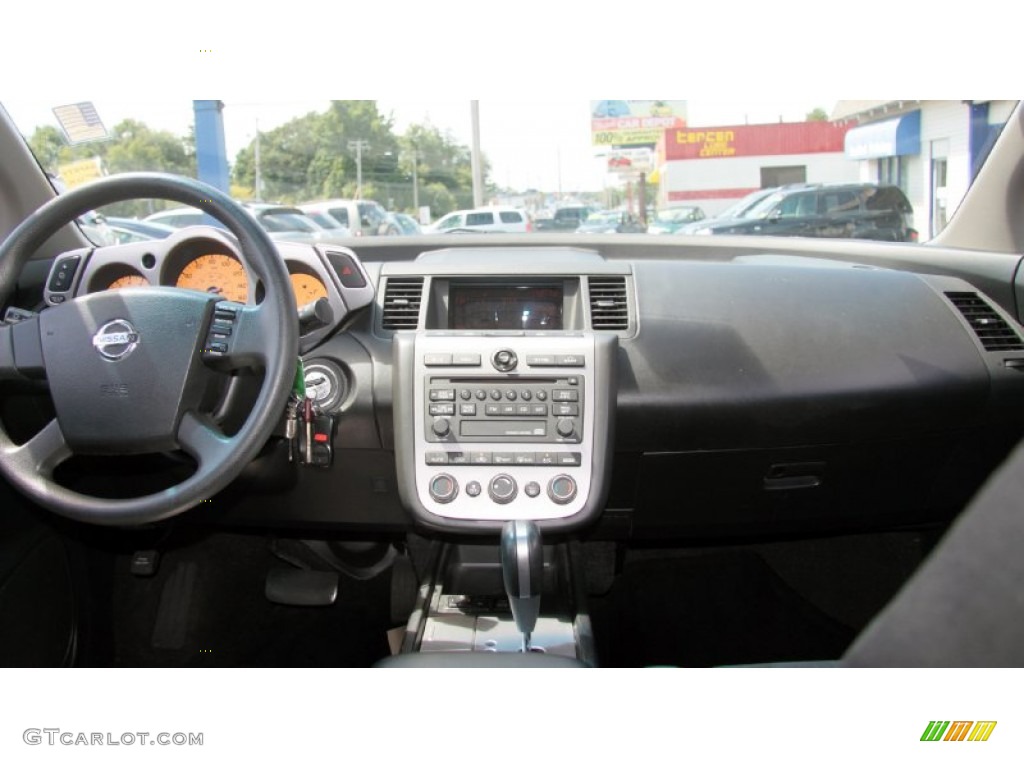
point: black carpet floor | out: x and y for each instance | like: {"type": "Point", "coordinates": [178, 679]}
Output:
{"type": "Point", "coordinates": [710, 609]}
{"type": "Point", "coordinates": [206, 607]}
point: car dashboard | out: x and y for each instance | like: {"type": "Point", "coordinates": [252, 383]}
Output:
{"type": "Point", "coordinates": [652, 392]}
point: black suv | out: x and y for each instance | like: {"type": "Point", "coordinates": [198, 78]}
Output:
{"type": "Point", "coordinates": [864, 211]}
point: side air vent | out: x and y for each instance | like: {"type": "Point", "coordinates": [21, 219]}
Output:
{"type": "Point", "coordinates": [609, 309]}
{"type": "Point", "coordinates": [994, 333]}
{"type": "Point", "coordinates": [402, 297]}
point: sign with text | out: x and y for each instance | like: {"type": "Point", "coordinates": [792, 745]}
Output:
{"type": "Point", "coordinates": [626, 123]}
{"type": "Point", "coordinates": [80, 172]}
{"type": "Point", "coordinates": [752, 140]}
{"type": "Point", "coordinates": [632, 160]}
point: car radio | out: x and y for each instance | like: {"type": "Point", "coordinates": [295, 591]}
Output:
{"type": "Point", "coordinates": [500, 425]}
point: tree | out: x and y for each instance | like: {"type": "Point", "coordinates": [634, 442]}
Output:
{"type": "Point", "coordinates": [817, 114]}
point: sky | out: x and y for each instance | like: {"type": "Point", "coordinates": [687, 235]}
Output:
{"type": "Point", "coordinates": [543, 144]}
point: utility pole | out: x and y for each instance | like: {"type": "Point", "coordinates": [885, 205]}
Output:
{"type": "Point", "coordinates": [414, 153]}
{"type": "Point", "coordinates": [359, 145]}
{"type": "Point", "coordinates": [259, 176]}
{"type": "Point", "coordinates": [477, 164]}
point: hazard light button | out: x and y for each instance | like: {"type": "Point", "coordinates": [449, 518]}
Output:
{"type": "Point", "coordinates": [348, 272]}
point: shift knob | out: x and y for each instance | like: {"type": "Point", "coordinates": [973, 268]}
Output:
{"type": "Point", "coordinates": [522, 568]}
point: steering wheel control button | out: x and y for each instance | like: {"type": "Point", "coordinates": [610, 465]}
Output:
{"type": "Point", "coordinates": [443, 488]}
{"type": "Point", "coordinates": [502, 489]}
{"type": "Point", "coordinates": [64, 275]}
{"type": "Point", "coordinates": [504, 360]}
{"type": "Point", "coordinates": [562, 489]}
{"type": "Point", "coordinates": [532, 489]}
{"type": "Point", "coordinates": [473, 488]}
{"type": "Point", "coordinates": [441, 427]}
{"type": "Point", "coordinates": [565, 427]}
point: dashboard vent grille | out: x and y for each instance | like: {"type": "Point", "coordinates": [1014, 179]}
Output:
{"type": "Point", "coordinates": [994, 333]}
{"type": "Point", "coordinates": [402, 297]}
{"type": "Point", "coordinates": [609, 308]}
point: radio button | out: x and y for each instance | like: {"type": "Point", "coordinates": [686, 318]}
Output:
{"type": "Point", "coordinates": [467, 409]}
{"type": "Point", "coordinates": [540, 361]}
{"type": "Point", "coordinates": [526, 394]}
{"type": "Point", "coordinates": [466, 358]}
{"type": "Point", "coordinates": [565, 427]}
{"type": "Point", "coordinates": [565, 395]}
{"type": "Point", "coordinates": [441, 409]}
{"type": "Point", "coordinates": [565, 409]}
{"type": "Point", "coordinates": [508, 410]}
{"type": "Point", "coordinates": [443, 488]}
{"type": "Point", "coordinates": [510, 394]}
{"type": "Point", "coordinates": [569, 361]}
{"type": "Point", "coordinates": [442, 394]}
{"type": "Point", "coordinates": [495, 394]}
{"type": "Point", "coordinates": [504, 360]}
{"type": "Point", "coordinates": [465, 394]}
{"type": "Point", "coordinates": [538, 409]}
{"type": "Point", "coordinates": [542, 394]}
{"type": "Point", "coordinates": [441, 427]}
{"type": "Point", "coordinates": [502, 489]}
{"type": "Point", "coordinates": [492, 410]}
{"type": "Point", "coordinates": [480, 394]}
{"type": "Point", "coordinates": [437, 358]}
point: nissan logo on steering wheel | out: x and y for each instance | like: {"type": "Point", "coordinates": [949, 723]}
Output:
{"type": "Point", "coordinates": [116, 340]}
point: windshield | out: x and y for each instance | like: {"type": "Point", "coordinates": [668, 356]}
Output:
{"type": "Point", "coordinates": [730, 161]}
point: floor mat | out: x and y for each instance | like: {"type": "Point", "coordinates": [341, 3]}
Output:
{"type": "Point", "coordinates": [707, 610]}
{"type": "Point", "coordinates": [206, 607]}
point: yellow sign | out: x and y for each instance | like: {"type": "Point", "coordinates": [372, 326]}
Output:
{"type": "Point", "coordinates": [713, 143]}
{"type": "Point", "coordinates": [80, 172]}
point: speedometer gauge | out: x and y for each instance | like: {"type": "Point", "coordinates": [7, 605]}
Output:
{"type": "Point", "coordinates": [128, 281]}
{"type": "Point", "coordinates": [307, 288]}
{"type": "Point", "coordinates": [216, 273]}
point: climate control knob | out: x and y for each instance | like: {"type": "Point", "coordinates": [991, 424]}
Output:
{"type": "Point", "coordinates": [562, 489]}
{"type": "Point", "coordinates": [502, 489]}
{"type": "Point", "coordinates": [443, 488]}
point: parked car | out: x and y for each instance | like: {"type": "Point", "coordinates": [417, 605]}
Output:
{"type": "Point", "coordinates": [281, 222]}
{"type": "Point", "coordinates": [610, 221]}
{"type": "Point", "coordinates": [494, 219]}
{"type": "Point", "coordinates": [862, 211]}
{"type": "Point", "coordinates": [362, 217]}
{"type": "Point", "coordinates": [737, 210]}
{"type": "Point", "coordinates": [405, 223]}
{"type": "Point", "coordinates": [565, 219]}
{"type": "Point", "coordinates": [133, 230]}
{"type": "Point", "coordinates": [670, 220]}
{"type": "Point", "coordinates": [329, 223]}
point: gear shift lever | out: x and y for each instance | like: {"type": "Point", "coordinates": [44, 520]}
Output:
{"type": "Point", "coordinates": [522, 568]}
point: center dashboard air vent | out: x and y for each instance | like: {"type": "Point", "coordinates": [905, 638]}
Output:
{"type": "Point", "coordinates": [994, 333]}
{"type": "Point", "coordinates": [609, 305]}
{"type": "Point", "coordinates": [402, 299]}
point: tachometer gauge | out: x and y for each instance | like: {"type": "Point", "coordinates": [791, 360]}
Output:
{"type": "Point", "coordinates": [216, 273]}
{"type": "Point", "coordinates": [128, 281]}
{"type": "Point", "coordinates": [307, 288]}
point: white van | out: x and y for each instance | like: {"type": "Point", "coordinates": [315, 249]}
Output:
{"type": "Point", "coordinates": [494, 219]}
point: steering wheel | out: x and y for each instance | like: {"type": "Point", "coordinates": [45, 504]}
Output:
{"type": "Point", "coordinates": [127, 370]}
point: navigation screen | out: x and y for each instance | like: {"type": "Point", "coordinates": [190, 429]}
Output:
{"type": "Point", "coordinates": [472, 306]}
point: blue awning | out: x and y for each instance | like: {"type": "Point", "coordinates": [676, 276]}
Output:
{"type": "Point", "coordinates": [889, 138]}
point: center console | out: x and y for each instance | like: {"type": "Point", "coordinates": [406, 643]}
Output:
{"type": "Point", "coordinates": [504, 409]}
